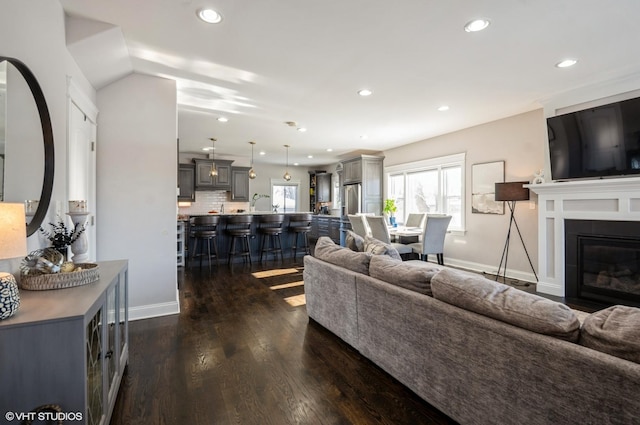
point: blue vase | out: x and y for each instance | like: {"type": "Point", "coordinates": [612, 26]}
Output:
{"type": "Point", "coordinates": [392, 221]}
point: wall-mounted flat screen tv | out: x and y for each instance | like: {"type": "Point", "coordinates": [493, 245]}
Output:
{"type": "Point", "coordinates": [598, 142]}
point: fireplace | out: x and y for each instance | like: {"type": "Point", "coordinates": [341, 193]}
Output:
{"type": "Point", "coordinates": [602, 261]}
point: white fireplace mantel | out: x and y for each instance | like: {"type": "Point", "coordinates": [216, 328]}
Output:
{"type": "Point", "coordinates": [604, 199]}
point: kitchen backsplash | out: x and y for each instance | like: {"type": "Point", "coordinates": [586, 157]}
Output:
{"type": "Point", "coordinates": [212, 200]}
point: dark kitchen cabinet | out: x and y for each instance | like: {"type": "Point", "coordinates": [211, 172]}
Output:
{"type": "Point", "coordinates": [323, 187]}
{"type": "Point", "coordinates": [240, 184]}
{"type": "Point", "coordinates": [205, 181]}
{"type": "Point", "coordinates": [186, 182]}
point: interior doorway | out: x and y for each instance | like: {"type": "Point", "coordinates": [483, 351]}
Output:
{"type": "Point", "coordinates": [81, 162]}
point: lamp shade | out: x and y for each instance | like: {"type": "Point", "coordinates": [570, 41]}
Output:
{"type": "Point", "coordinates": [512, 191]}
{"type": "Point", "coordinates": [13, 237]}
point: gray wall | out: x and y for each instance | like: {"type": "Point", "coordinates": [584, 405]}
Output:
{"type": "Point", "coordinates": [137, 131]}
{"type": "Point", "coordinates": [136, 157]}
{"type": "Point", "coordinates": [520, 142]}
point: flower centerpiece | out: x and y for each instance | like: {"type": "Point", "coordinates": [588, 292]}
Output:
{"type": "Point", "coordinates": [255, 197]}
{"type": "Point", "coordinates": [390, 209]}
{"type": "Point", "coordinates": [62, 237]}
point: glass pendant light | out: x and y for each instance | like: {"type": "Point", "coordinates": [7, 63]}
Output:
{"type": "Point", "coordinates": [287, 176]}
{"type": "Point", "coordinates": [252, 173]}
{"type": "Point", "coordinates": [214, 170]}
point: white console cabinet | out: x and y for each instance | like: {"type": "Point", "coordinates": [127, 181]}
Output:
{"type": "Point", "coordinates": [68, 347]}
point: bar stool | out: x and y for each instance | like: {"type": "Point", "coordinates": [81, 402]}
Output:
{"type": "Point", "coordinates": [203, 229]}
{"type": "Point", "coordinates": [270, 228]}
{"type": "Point", "coordinates": [239, 227]}
{"type": "Point", "coordinates": [300, 225]}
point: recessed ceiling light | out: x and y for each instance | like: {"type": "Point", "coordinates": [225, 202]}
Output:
{"type": "Point", "coordinates": [302, 129]}
{"type": "Point", "coordinates": [263, 153]}
{"type": "Point", "coordinates": [223, 119]}
{"type": "Point", "coordinates": [365, 92]}
{"type": "Point", "coordinates": [476, 25]}
{"type": "Point", "coordinates": [309, 156]}
{"type": "Point", "coordinates": [566, 63]}
{"type": "Point", "coordinates": [443, 108]}
{"type": "Point", "coordinates": [329, 150]}
{"type": "Point", "coordinates": [208, 148]}
{"type": "Point", "coordinates": [209, 16]}
{"type": "Point", "coordinates": [295, 164]}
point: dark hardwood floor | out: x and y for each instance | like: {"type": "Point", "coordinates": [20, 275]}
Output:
{"type": "Point", "coordinates": [239, 353]}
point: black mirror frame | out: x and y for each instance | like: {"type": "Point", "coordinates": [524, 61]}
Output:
{"type": "Point", "coordinates": [47, 134]}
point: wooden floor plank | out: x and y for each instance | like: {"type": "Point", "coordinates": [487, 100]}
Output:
{"type": "Point", "coordinates": [238, 353]}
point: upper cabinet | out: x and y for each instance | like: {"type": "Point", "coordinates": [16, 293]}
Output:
{"type": "Point", "coordinates": [366, 170]}
{"type": "Point", "coordinates": [323, 187]}
{"type": "Point", "coordinates": [205, 181]}
{"type": "Point", "coordinates": [352, 171]}
{"type": "Point", "coordinates": [240, 184]}
{"type": "Point", "coordinates": [186, 182]}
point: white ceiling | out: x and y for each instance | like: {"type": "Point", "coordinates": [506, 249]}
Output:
{"type": "Point", "coordinates": [272, 61]}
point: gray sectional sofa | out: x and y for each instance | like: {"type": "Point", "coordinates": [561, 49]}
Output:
{"type": "Point", "coordinates": [479, 351]}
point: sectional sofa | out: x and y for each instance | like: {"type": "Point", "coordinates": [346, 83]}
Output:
{"type": "Point", "coordinates": [479, 351]}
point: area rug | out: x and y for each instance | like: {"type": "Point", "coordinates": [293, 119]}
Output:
{"type": "Point", "coordinates": [286, 283]}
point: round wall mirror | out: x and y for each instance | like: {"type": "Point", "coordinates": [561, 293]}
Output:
{"type": "Point", "coordinates": [24, 163]}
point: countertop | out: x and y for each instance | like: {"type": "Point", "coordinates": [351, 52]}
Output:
{"type": "Point", "coordinates": [186, 217]}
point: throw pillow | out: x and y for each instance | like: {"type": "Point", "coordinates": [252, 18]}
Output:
{"type": "Point", "coordinates": [505, 303]}
{"type": "Point", "coordinates": [377, 247]}
{"type": "Point", "coordinates": [327, 250]}
{"type": "Point", "coordinates": [413, 275]}
{"type": "Point", "coordinates": [354, 241]}
{"type": "Point", "coordinates": [614, 330]}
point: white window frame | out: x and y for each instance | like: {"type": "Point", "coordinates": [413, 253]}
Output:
{"type": "Point", "coordinates": [439, 164]}
{"type": "Point", "coordinates": [283, 182]}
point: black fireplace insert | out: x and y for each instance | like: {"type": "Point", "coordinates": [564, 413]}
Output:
{"type": "Point", "coordinates": [603, 261]}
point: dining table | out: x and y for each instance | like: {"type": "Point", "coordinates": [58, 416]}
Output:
{"type": "Point", "coordinates": [405, 235]}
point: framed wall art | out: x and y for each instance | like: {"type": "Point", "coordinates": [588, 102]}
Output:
{"type": "Point", "coordinates": [484, 176]}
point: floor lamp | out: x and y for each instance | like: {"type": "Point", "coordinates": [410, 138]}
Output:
{"type": "Point", "coordinates": [511, 192]}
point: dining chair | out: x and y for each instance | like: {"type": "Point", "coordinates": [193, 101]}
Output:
{"type": "Point", "coordinates": [435, 229]}
{"type": "Point", "coordinates": [358, 224]}
{"type": "Point", "coordinates": [379, 230]}
{"type": "Point", "coordinates": [415, 220]}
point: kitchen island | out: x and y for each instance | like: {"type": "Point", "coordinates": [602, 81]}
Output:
{"type": "Point", "coordinates": [224, 241]}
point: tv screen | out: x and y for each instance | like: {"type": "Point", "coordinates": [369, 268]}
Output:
{"type": "Point", "coordinates": [596, 142]}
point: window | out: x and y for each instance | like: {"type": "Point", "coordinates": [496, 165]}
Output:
{"type": "Point", "coordinates": [285, 195]}
{"type": "Point", "coordinates": [430, 186]}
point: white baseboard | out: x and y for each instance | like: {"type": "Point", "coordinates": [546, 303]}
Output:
{"type": "Point", "coordinates": [153, 310]}
{"type": "Point", "coordinates": [486, 268]}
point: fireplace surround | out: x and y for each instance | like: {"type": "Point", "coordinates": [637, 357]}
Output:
{"type": "Point", "coordinates": [588, 202]}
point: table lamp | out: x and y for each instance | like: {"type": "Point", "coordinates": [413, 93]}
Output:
{"type": "Point", "coordinates": [511, 192]}
{"type": "Point", "coordinates": [13, 244]}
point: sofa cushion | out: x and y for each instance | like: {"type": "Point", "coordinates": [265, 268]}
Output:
{"type": "Point", "coordinates": [377, 247]}
{"type": "Point", "coordinates": [354, 241]}
{"type": "Point", "coordinates": [614, 330]}
{"type": "Point", "coordinates": [506, 303]}
{"type": "Point", "coordinates": [327, 250]}
{"type": "Point", "coordinates": [413, 275]}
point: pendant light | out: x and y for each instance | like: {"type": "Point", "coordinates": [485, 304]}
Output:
{"type": "Point", "coordinates": [287, 176]}
{"type": "Point", "coordinates": [252, 173]}
{"type": "Point", "coordinates": [214, 170]}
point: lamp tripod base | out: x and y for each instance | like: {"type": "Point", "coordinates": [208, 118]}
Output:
{"type": "Point", "coordinates": [505, 250]}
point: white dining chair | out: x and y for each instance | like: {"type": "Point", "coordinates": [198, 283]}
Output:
{"type": "Point", "coordinates": [379, 230]}
{"type": "Point", "coordinates": [415, 220]}
{"type": "Point", "coordinates": [435, 229]}
{"type": "Point", "coordinates": [358, 224]}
